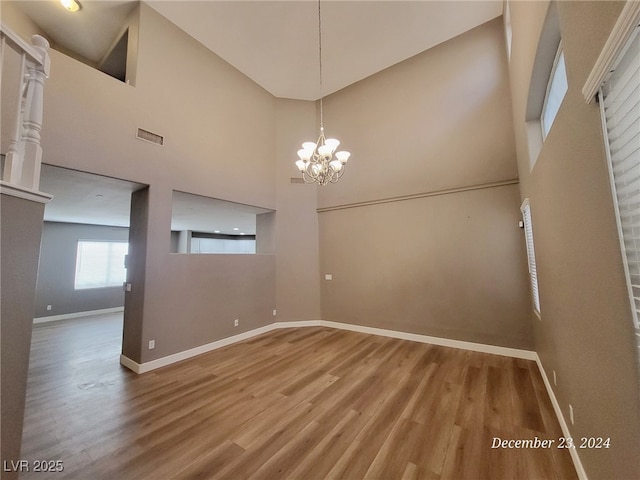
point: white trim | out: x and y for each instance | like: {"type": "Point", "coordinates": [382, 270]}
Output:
{"type": "Point", "coordinates": [582, 475]}
{"type": "Point", "coordinates": [186, 354]}
{"type": "Point", "coordinates": [24, 193]}
{"type": "Point", "coordinates": [130, 364]}
{"type": "Point", "coordinates": [625, 25]}
{"type": "Point", "coordinates": [67, 316]}
{"type": "Point", "coordinates": [414, 337]}
{"type": "Point", "coordinates": [34, 54]}
{"type": "Point", "coordinates": [443, 342]}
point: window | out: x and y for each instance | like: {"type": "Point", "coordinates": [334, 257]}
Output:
{"type": "Point", "coordinates": [508, 31]}
{"type": "Point", "coordinates": [556, 90]}
{"type": "Point", "coordinates": [620, 107]}
{"type": "Point", "coordinates": [531, 256]}
{"type": "Point", "coordinates": [100, 264]}
{"type": "Point", "coordinates": [223, 245]}
{"type": "Point", "coordinates": [548, 84]}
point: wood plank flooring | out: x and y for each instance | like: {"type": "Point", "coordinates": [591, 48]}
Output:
{"type": "Point", "coordinates": [300, 403]}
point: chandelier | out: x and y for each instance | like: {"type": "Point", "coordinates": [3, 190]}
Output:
{"type": "Point", "coordinates": [319, 162]}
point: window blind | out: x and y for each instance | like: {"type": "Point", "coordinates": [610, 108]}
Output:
{"type": "Point", "coordinates": [100, 264]}
{"type": "Point", "coordinates": [531, 256]}
{"type": "Point", "coordinates": [620, 106]}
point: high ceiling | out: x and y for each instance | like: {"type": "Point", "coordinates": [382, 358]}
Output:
{"type": "Point", "coordinates": [275, 43]}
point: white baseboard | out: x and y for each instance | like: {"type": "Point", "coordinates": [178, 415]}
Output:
{"type": "Point", "coordinates": [67, 316]}
{"type": "Point", "coordinates": [184, 355]}
{"type": "Point", "coordinates": [582, 475]}
{"type": "Point", "coordinates": [444, 342]}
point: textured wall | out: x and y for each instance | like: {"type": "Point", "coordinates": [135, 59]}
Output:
{"type": "Point", "coordinates": [56, 271]}
{"type": "Point", "coordinates": [450, 265]}
{"type": "Point", "coordinates": [585, 333]}
{"type": "Point", "coordinates": [21, 230]}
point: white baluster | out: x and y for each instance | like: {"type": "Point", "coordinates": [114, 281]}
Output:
{"type": "Point", "coordinates": [13, 160]}
{"type": "Point", "coordinates": [31, 149]}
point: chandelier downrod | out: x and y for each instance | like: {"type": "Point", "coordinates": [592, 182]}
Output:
{"type": "Point", "coordinates": [317, 162]}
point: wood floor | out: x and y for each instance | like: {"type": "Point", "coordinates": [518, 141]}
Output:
{"type": "Point", "coordinates": [300, 403]}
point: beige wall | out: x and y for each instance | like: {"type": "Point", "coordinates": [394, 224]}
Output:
{"type": "Point", "coordinates": [441, 119]}
{"type": "Point", "coordinates": [298, 263]}
{"type": "Point", "coordinates": [220, 142]}
{"type": "Point", "coordinates": [450, 265]}
{"type": "Point", "coordinates": [214, 119]}
{"type": "Point", "coordinates": [585, 333]}
{"type": "Point", "coordinates": [21, 230]}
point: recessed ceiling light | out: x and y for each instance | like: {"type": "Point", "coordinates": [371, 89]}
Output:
{"type": "Point", "coordinates": [241, 233]}
{"type": "Point", "coordinates": [235, 229]}
{"type": "Point", "coordinates": [71, 5]}
{"type": "Point", "coordinates": [216, 231]}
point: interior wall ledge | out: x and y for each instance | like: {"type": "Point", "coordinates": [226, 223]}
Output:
{"type": "Point", "coordinates": [413, 196]}
{"type": "Point", "coordinates": [24, 192]}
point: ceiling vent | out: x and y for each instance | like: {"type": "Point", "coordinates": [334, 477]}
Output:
{"type": "Point", "coordinates": [297, 180]}
{"type": "Point", "coordinates": [151, 137]}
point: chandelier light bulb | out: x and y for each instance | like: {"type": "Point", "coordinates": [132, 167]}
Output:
{"type": "Point", "coordinates": [343, 156]}
{"type": "Point", "coordinates": [324, 150]}
{"type": "Point", "coordinates": [333, 143]}
{"type": "Point", "coordinates": [71, 5]}
{"type": "Point", "coordinates": [305, 154]}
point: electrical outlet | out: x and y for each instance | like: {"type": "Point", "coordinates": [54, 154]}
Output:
{"type": "Point", "coordinates": [328, 276]}
{"type": "Point", "coordinates": [236, 322]}
{"type": "Point", "coordinates": [274, 313]}
{"type": "Point", "coordinates": [555, 379]}
{"type": "Point", "coordinates": [152, 344]}
{"type": "Point", "coordinates": [573, 422]}
{"type": "Point", "coordinates": [49, 307]}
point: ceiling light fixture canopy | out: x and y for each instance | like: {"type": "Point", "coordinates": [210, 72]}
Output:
{"type": "Point", "coordinates": [319, 162]}
{"type": "Point", "coordinates": [71, 5]}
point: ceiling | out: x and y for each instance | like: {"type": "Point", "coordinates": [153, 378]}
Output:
{"type": "Point", "coordinates": [88, 33]}
{"type": "Point", "coordinates": [80, 197]}
{"type": "Point", "coordinates": [275, 43]}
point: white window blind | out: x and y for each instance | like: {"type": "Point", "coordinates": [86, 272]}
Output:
{"type": "Point", "coordinates": [100, 264]}
{"type": "Point", "coordinates": [531, 256]}
{"type": "Point", "coordinates": [620, 106]}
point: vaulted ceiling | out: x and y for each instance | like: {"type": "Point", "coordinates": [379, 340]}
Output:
{"type": "Point", "coordinates": [275, 43]}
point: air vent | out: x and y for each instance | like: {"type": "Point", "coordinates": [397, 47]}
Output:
{"type": "Point", "coordinates": [297, 180]}
{"type": "Point", "coordinates": [151, 137]}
